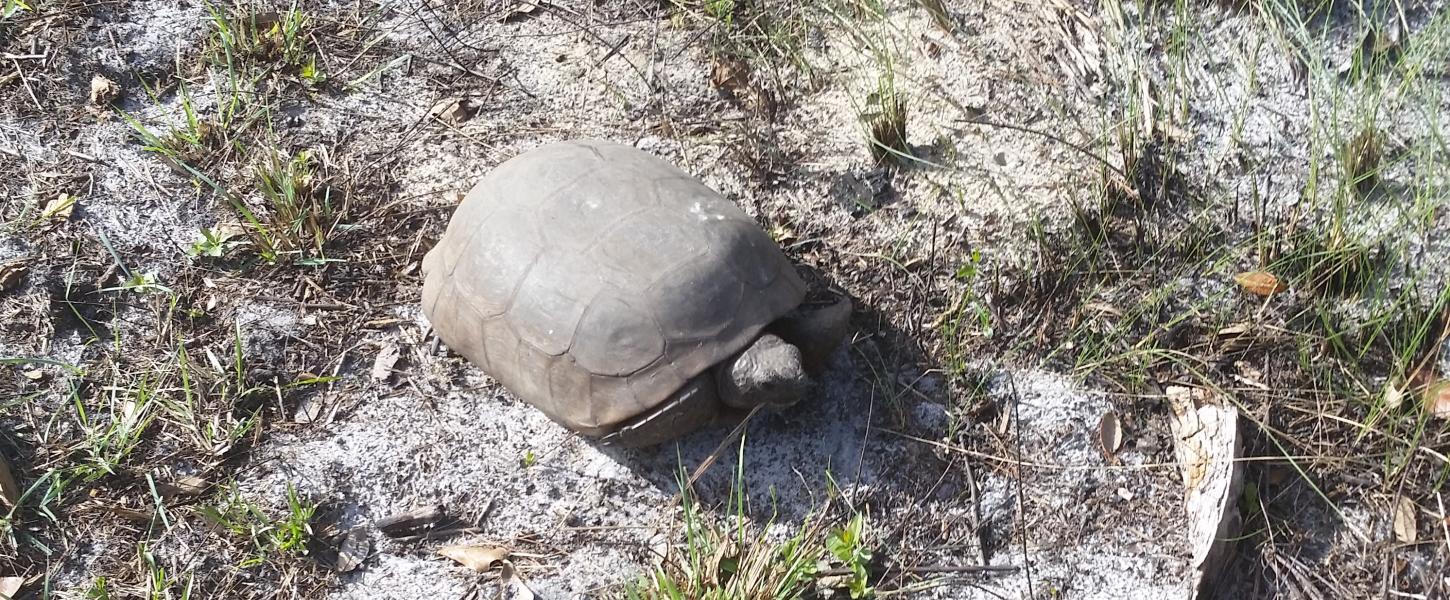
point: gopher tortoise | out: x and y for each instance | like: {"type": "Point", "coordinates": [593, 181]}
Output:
{"type": "Point", "coordinates": [624, 298]}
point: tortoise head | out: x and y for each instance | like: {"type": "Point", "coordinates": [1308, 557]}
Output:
{"type": "Point", "coordinates": [768, 372]}
{"type": "Point", "coordinates": [776, 369]}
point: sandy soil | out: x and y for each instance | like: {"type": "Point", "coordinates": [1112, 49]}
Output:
{"type": "Point", "coordinates": [897, 431]}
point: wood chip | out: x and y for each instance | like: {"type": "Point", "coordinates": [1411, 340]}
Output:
{"type": "Point", "coordinates": [1260, 283]}
{"type": "Point", "coordinates": [410, 522]}
{"type": "Point", "coordinates": [318, 409]}
{"type": "Point", "coordinates": [478, 558]}
{"type": "Point", "coordinates": [1207, 444]}
{"type": "Point", "coordinates": [353, 550]}
{"type": "Point", "coordinates": [1405, 530]}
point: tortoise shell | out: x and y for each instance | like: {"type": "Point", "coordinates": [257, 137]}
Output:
{"type": "Point", "coordinates": [593, 280]}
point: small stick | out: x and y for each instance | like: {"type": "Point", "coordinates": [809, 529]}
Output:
{"type": "Point", "coordinates": [932, 569]}
{"type": "Point", "coordinates": [439, 534]}
{"type": "Point", "coordinates": [710, 460]}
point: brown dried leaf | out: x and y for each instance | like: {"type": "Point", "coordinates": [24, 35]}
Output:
{"type": "Point", "coordinates": [186, 486]}
{"type": "Point", "coordinates": [1260, 283]}
{"type": "Point", "coordinates": [1236, 330]}
{"type": "Point", "coordinates": [10, 587]}
{"type": "Point", "coordinates": [9, 489]}
{"type": "Point", "coordinates": [729, 74]}
{"type": "Point", "coordinates": [11, 273]}
{"type": "Point", "coordinates": [1437, 400]}
{"type": "Point", "coordinates": [103, 90]}
{"type": "Point", "coordinates": [128, 513]}
{"type": "Point", "coordinates": [1405, 529]}
{"type": "Point", "coordinates": [1110, 433]}
{"type": "Point", "coordinates": [478, 558]}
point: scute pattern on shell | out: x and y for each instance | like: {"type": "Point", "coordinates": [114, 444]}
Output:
{"type": "Point", "coordinates": [593, 280]}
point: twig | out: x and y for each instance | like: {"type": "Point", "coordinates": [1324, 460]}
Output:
{"type": "Point", "coordinates": [87, 157]}
{"type": "Point", "coordinates": [1021, 474]}
{"type": "Point", "coordinates": [560, 14]}
{"type": "Point", "coordinates": [1444, 518]}
{"type": "Point", "coordinates": [861, 455]}
{"type": "Point", "coordinates": [438, 534]}
{"type": "Point", "coordinates": [26, 82]}
{"type": "Point", "coordinates": [1084, 150]}
{"type": "Point", "coordinates": [930, 569]}
{"type": "Point", "coordinates": [710, 460]}
{"type": "Point", "coordinates": [977, 525]}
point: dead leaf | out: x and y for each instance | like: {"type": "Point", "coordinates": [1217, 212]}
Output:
{"type": "Point", "coordinates": [454, 110]}
{"type": "Point", "coordinates": [10, 587]}
{"type": "Point", "coordinates": [761, 102]}
{"type": "Point", "coordinates": [130, 514]}
{"type": "Point", "coordinates": [1437, 400]}
{"type": "Point", "coordinates": [729, 74]}
{"type": "Point", "coordinates": [11, 273]}
{"type": "Point", "coordinates": [34, 374]}
{"type": "Point", "coordinates": [9, 489]}
{"type": "Point", "coordinates": [1208, 446]}
{"type": "Point", "coordinates": [318, 409]}
{"type": "Point", "coordinates": [1236, 330]}
{"type": "Point", "coordinates": [1394, 395]}
{"type": "Point", "coordinates": [1110, 433]}
{"type": "Point", "coordinates": [521, 589]}
{"type": "Point", "coordinates": [1405, 530]}
{"type": "Point", "coordinates": [522, 9]}
{"type": "Point", "coordinates": [103, 90]}
{"type": "Point", "coordinates": [478, 558]}
{"type": "Point", "coordinates": [932, 48]}
{"type": "Point", "coordinates": [186, 486]}
{"type": "Point", "coordinates": [383, 365]}
{"type": "Point", "coordinates": [59, 208]}
{"type": "Point", "coordinates": [1260, 283]}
